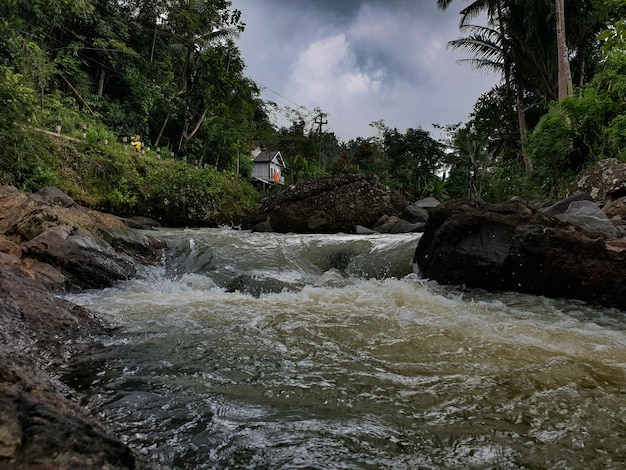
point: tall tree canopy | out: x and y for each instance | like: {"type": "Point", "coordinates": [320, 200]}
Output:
{"type": "Point", "coordinates": [527, 43]}
{"type": "Point", "coordinates": [167, 70]}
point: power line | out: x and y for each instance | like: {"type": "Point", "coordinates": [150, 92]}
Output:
{"type": "Point", "coordinates": [282, 96]}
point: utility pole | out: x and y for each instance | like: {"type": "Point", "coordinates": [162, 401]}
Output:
{"type": "Point", "coordinates": [319, 120]}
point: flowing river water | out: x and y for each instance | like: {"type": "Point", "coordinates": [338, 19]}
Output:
{"type": "Point", "coordinates": [250, 350]}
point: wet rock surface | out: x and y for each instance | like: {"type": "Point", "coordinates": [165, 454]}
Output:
{"type": "Point", "coordinates": [85, 248]}
{"type": "Point", "coordinates": [513, 246]}
{"type": "Point", "coordinates": [328, 205]}
{"type": "Point", "coordinates": [606, 183]}
{"type": "Point", "coordinates": [48, 244]}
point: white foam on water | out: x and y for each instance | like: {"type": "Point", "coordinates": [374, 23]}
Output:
{"type": "Point", "coordinates": [348, 371]}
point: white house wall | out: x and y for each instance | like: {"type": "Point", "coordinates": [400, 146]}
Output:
{"type": "Point", "coordinates": [262, 171]}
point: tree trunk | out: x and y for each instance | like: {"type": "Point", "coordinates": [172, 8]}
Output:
{"type": "Point", "coordinates": [523, 128]}
{"type": "Point", "coordinates": [101, 82]}
{"type": "Point", "coordinates": [505, 53]}
{"type": "Point", "coordinates": [197, 126]}
{"type": "Point", "coordinates": [167, 118]}
{"type": "Point", "coordinates": [565, 74]}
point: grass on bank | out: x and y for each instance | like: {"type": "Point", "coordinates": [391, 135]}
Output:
{"type": "Point", "coordinates": [100, 172]}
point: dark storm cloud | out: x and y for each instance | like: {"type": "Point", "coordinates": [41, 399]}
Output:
{"type": "Point", "coordinates": [361, 61]}
{"type": "Point", "coordinates": [342, 9]}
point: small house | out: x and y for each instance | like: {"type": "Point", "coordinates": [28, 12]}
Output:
{"type": "Point", "coordinates": [268, 166]}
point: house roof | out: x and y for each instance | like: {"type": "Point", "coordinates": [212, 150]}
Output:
{"type": "Point", "coordinates": [266, 156]}
{"type": "Point", "coordinates": [270, 156]}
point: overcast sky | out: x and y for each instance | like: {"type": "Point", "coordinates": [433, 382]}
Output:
{"type": "Point", "coordinates": [361, 61]}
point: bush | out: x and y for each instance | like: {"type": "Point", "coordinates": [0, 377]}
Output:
{"type": "Point", "coordinates": [16, 99]}
{"type": "Point", "coordinates": [186, 195]}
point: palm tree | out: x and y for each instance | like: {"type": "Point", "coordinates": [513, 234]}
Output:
{"type": "Point", "coordinates": [520, 44]}
{"type": "Point", "coordinates": [492, 47]}
{"type": "Point", "coordinates": [473, 157]}
{"type": "Point", "coordinates": [565, 75]}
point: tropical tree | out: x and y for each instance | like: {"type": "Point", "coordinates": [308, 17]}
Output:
{"type": "Point", "coordinates": [468, 161]}
{"type": "Point", "coordinates": [195, 26]}
{"type": "Point", "coordinates": [613, 38]}
{"type": "Point", "coordinates": [413, 160]}
{"type": "Point", "coordinates": [16, 99]}
{"type": "Point", "coordinates": [565, 75]}
{"type": "Point", "coordinates": [492, 49]}
{"type": "Point", "coordinates": [360, 156]}
{"type": "Point", "coordinates": [585, 127]}
{"type": "Point", "coordinates": [519, 43]}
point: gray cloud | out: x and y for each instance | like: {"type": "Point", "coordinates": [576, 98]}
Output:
{"type": "Point", "coordinates": [361, 61]}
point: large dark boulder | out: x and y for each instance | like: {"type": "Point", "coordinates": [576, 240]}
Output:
{"type": "Point", "coordinates": [329, 205]}
{"type": "Point", "coordinates": [42, 424]}
{"type": "Point", "coordinates": [511, 246]}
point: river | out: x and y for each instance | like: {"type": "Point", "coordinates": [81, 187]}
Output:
{"type": "Point", "coordinates": [255, 350]}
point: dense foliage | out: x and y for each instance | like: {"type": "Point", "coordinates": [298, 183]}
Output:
{"type": "Point", "coordinates": [529, 136]}
{"type": "Point", "coordinates": [169, 72]}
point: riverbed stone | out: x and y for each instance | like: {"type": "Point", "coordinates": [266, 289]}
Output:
{"type": "Point", "coordinates": [386, 223]}
{"type": "Point", "coordinates": [427, 202]}
{"type": "Point", "coordinates": [560, 207]}
{"type": "Point", "coordinates": [91, 249]}
{"type": "Point", "coordinates": [265, 226]}
{"type": "Point", "coordinates": [616, 209]}
{"type": "Point", "coordinates": [404, 226]}
{"type": "Point", "coordinates": [8, 247]}
{"type": "Point", "coordinates": [512, 246]}
{"type": "Point", "coordinates": [588, 216]}
{"type": "Point", "coordinates": [86, 260]}
{"type": "Point", "coordinates": [53, 196]}
{"type": "Point", "coordinates": [360, 230]}
{"type": "Point", "coordinates": [42, 424]}
{"type": "Point", "coordinates": [605, 181]}
{"type": "Point", "coordinates": [414, 214]}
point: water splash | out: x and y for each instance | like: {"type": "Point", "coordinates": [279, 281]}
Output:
{"type": "Point", "coordinates": [344, 366]}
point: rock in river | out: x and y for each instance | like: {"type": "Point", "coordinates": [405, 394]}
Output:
{"type": "Point", "coordinates": [328, 205]}
{"type": "Point", "coordinates": [512, 246]}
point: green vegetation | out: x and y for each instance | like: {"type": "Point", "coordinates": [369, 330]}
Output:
{"type": "Point", "coordinates": [538, 131]}
{"type": "Point", "coordinates": [101, 70]}
{"type": "Point", "coordinates": [170, 73]}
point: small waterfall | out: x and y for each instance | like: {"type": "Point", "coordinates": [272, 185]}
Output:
{"type": "Point", "coordinates": [262, 263]}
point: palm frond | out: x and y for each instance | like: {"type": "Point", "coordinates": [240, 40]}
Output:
{"type": "Point", "coordinates": [485, 45]}
{"type": "Point", "coordinates": [483, 65]}
{"type": "Point", "coordinates": [473, 10]}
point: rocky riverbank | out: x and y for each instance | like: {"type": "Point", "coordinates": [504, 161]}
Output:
{"type": "Point", "coordinates": [340, 203]}
{"type": "Point", "coordinates": [576, 253]}
{"type": "Point", "coordinates": [575, 248]}
{"type": "Point", "coordinates": [50, 245]}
